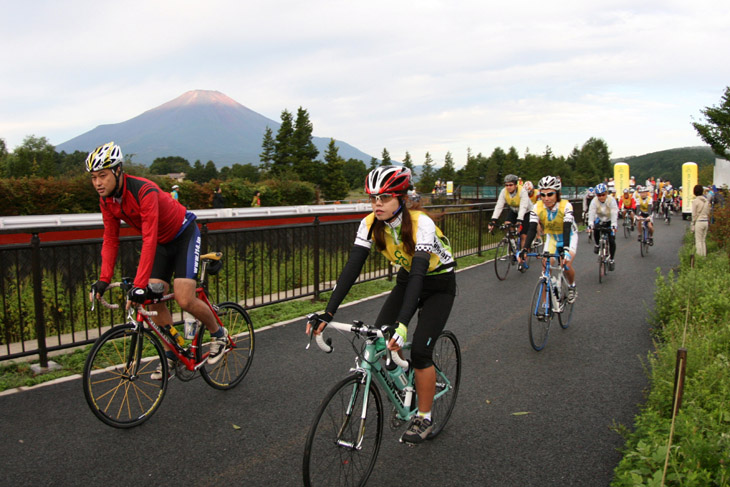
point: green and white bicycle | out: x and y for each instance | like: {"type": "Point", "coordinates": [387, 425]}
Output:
{"type": "Point", "coordinates": [345, 436]}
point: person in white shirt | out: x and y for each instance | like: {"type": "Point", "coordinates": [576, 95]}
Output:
{"type": "Point", "coordinates": [603, 217]}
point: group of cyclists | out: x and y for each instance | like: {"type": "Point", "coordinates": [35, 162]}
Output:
{"type": "Point", "coordinates": [398, 227]}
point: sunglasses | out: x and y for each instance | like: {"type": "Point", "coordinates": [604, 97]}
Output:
{"type": "Point", "coordinates": [383, 198]}
{"type": "Point", "coordinates": [600, 194]}
{"type": "Point", "coordinates": [547, 195]}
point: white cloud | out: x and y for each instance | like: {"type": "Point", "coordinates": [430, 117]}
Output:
{"type": "Point", "coordinates": [434, 76]}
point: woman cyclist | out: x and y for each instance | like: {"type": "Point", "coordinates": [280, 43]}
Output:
{"type": "Point", "coordinates": [557, 221]}
{"type": "Point", "coordinates": [407, 237]}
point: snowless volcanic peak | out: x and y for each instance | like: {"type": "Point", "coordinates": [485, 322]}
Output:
{"type": "Point", "coordinates": [201, 97]}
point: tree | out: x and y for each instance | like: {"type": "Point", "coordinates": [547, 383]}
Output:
{"type": "Point", "coordinates": [428, 176]}
{"type": "Point", "coordinates": [170, 164]}
{"type": "Point", "coordinates": [408, 162]}
{"type": "Point", "coordinates": [241, 171]}
{"type": "Point", "coordinates": [335, 186]}
{"type": "Point", "coordinates": [373, 164]}
{"type": "Point", "coordinates": [355, 171]}
{"type": "Point", "coordinates": [448, 171]}
{"type": "Point", "coordinates": [283, 150]}
{"type": "Point", "coordinates": [268, 152]}
{"type": "Point", "coordinates": [386, 161]}
{"type": "Point", "coordinates": [304, 152]}
{"type": "Point", "coordinates": [716, 132]}
{"type": "Point", "coordinates": [34, 157]}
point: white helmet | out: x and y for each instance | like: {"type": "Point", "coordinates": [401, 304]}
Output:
{"type": "Point", "coordinates": [549, 182]}
{"type": "Point", "coordinates": [175, 186]}
{"type": "Point", "coordinates": [105, 156]}
{"type": "Point", "coordinates": [388, 179]}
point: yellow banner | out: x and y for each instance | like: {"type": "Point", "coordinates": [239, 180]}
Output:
{"type": "Point", "coordinates": [689, 181]}
{"type": "Point", "coordinates": [620, 177]}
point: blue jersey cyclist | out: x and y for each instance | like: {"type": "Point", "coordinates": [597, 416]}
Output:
{"type": "Point", "coordinates": [170, 244]}
{"type": "Point", "coordinates": [408, 237]}
{"type": "Point", "coordinates": [555, 215]}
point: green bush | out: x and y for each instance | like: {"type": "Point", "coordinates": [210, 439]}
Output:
{"type": "Point", "coordinates": [701, 442]}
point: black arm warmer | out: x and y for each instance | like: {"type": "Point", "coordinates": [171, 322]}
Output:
{"type": "Point", "coordinates": [531, 233]}
{"type": "Point", "coordinates": [567, 226]}
{"type": "Point", "coordinates": [358, 256]}
{"type": "Point", "coordinates": [419, 267]}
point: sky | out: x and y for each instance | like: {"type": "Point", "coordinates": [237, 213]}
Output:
{"type": "Point", "coordinates": [418, 76]}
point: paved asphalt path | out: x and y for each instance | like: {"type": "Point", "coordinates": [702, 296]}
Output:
{"type": "Point", "coordinates": [588, 378]}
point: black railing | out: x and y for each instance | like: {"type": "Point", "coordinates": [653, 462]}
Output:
{"type": "Point", "coordinates": [44, 286]}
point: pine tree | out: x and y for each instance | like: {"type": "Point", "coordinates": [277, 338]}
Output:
{"type": "Point", "coordinates": [304, 151]}
{"type": "Point", "coordinates": [448, 171]}
{"type": "Point", "coordinates": [386, 161]}
{"type": "Point", "coordinates": [408, 161]}
{"type": "Point", "coordinates": [268, 152]}
{"type": "Point", "coordinates": [428, 176]}
{"type": "Point", "coordinates": [283, 150]}
{"type": "Point", "coordinates": [335, 186]}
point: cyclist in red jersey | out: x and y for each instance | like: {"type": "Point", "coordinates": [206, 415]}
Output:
{"type": "Point", "coordinates": [170, 243]}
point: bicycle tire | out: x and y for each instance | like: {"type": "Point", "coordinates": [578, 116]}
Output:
{"type": "Point", "coordinates": [229, 371]}
{"type": "Point", "coordinates": [627, 229]}
{"type": "Point", "coordinates": [601, 261]}
{"type": "Point", "coordinates": [503, 259]}
{"type": "Point", "coordinates": [539, 329]}
{"type": "Point", "coordinates": [641, 243]}
{"type": "Point", "coordinates": [330, 454]}
{"type": "Point", "coordinates": [116, 378]}
{"type": "Point", "coordinates": [447, 360]}
{"type": "Point", "coordinates": [566, 309]}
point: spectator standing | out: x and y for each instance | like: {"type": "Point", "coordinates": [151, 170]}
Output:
{"type": "Point", "coordinates": [175, 192]}
{"type": "Point", "coordinates": [700, 219]}
{"type": "Point", "coordinates": [256, 201]}
{"type": "Point", "coordinates": [218, 201]}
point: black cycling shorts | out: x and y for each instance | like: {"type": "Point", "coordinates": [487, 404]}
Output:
{"type": "Point", "coordinates": [180, 256]}
{"type": "Point", "coordinates": [437, 298]}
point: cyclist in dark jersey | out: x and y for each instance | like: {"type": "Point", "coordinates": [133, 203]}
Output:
{"type": "Point", "coordinates": [170, 243]}
{"type": "Point", "coordinates": [410, 238]}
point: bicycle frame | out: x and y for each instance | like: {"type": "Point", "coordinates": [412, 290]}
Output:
{"type": "Point", "coordinates": [185, 356]}
{"type": "Point", "coordinates": [370, 366]}
{"type": "Point", "coordinates": [546, 275]}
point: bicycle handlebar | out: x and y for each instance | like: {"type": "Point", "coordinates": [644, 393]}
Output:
{"type": "Point", "coordinates": [326, 345]}
{"type": "Point", "coordinates": [546, 255]}
{"type": "Point", "coordinates": [140, 309]}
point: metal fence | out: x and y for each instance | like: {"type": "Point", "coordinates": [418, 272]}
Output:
{"type": "Point", "coordinates": [44, 286]}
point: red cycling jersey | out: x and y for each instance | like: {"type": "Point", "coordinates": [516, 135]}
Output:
{"type": "Point", "coordinates": [628, 204]}
{"type": "Point", "coordinates": [148, 209]}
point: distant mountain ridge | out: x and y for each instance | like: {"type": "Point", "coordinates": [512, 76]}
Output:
{"type": "Point", "coordinates": [667, 164]}
{"type": "Point", "coordinates": [198, 125]}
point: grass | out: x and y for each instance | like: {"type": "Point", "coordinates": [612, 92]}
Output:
{"type": "Point", "coordinates": [19, 374]}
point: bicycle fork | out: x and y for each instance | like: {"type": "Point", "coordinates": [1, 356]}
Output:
{"type": "Point", "coordinates": [355, 445]}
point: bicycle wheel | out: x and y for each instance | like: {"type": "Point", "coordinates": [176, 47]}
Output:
{"type": "Point", "coordinates": [447, 360]}
{"type": "Point", "coordinates": [231, 369]}
{"type": "Point", "coordinates": [344, 439]}
{"type": "Point", "coordinates": [503, 259]}
{"type": "Point", "coordinates": [566, 308]}
{"type": "Point", "coordinates": [539, 328]}
{"type": "Point", "coordinates": [601, 261]}
{"type": "Point", "coordinates": [627, 228]}
{"type": "Point", "coordinates": [642, 243]}
{"type": "Point", "coordinates": [116, 377]}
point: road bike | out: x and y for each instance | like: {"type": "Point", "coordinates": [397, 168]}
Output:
{"type": "Point", "coordinates": [344, 439]}
{"type": "Point", "coordinates": [628, 224]}
{"type": "Point", "coordinates": [645, 240]}
{"type": "Point", "coordinates": [603, 252]}
{"type": "Point", "coordinates": [550, 298]}
{"type": "Point", "coordinates": [116, 378]}
{"type": "Point", "coordinates": [507, 250]}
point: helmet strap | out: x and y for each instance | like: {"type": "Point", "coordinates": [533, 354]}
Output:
{"type": "Point", "coordinates": [117, 186]}
{"type": "Point", "coordinates": [396, 212]}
